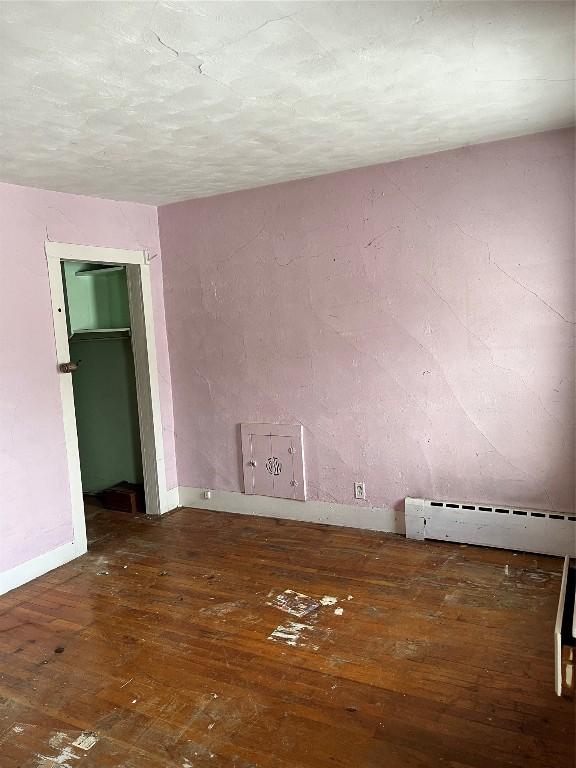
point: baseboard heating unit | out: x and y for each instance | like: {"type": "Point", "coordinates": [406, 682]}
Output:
{"type": "Point", "coordinates": [526, 530]}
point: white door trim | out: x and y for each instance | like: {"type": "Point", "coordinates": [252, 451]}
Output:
{"type": "Point", "coordinates": [95, 253]}
{"type": "Point", "coordinates": [147, 389]}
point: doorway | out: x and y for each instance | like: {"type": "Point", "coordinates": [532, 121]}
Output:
{"type": "Point", "coordinates": [104, 382]}
{"type": "Point", "coordinates": [118, 312]}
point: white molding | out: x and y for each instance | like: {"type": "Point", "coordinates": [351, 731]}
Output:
{"type": "Point", "coordinates": [382, 519]}
{"type": "Point", "coordinates": [67, 399]}
{"type": "Point", "coordinates": [147, 385]}
{"type": "Point", "coordinates": [558, 628]}
{"type": "Point", "coordinates": [40, 565]}
{"type": "Point", "coordinates": [173, 499]}
{"type": "Point", "coordinates": [95, 253]}
{"type": "Point", "coordinates": [145, 365]}
{"type": "Point", "coordinates": [516, 528]}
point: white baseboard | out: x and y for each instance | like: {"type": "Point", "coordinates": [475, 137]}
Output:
{"type": "Point", "coordinates": [349, 515]}
{"type": "Point", "coordinates": [172, 499]}
{"type": "Point", "coordinates": [38, 566]}
{"type": "Point", "coordinates": [382, 519]}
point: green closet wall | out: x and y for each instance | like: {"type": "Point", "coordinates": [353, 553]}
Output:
{"type": "Point", "coordinates": [95, 302]}
{"type": "Point", "coordinates": [104, 384]}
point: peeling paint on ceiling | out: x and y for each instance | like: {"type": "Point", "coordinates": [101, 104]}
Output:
{"type": "Point", "coordinates": [164, 101]}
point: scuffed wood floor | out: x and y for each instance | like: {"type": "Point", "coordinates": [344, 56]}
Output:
{"type": "Point", "coordinates": [153, 651]}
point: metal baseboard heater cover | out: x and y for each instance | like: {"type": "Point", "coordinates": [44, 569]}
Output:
{"type": "Point", "coordinates": [525, 530]}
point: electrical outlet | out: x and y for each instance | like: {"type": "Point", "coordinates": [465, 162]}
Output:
{"type": "Point", "coordinates": [359, 490]}
{"type": "Point", "coordinates": [207, 495]}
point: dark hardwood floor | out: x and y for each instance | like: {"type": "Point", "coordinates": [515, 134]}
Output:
{"type": "Point", "coordinates": [154, 650]}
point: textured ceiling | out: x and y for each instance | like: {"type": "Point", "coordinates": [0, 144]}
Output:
{"type": "Point", "coordinates": [164, 101]}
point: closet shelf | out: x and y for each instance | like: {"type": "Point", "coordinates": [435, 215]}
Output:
{"type": "Point", "coordinates": [98, 271]}
{"type": "Point", "coordinates": [100, 334]}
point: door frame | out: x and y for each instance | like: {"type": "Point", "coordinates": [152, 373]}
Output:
{"type": "Point", "coordinates": [137, 265]}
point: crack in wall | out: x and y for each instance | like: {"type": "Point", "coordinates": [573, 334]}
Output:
{"type": "Point", "coordinates": [245, 35]}
{"type": "Point", "coordinates": [165, 45]}
{"type": "Point", "coordinates": [377, 237]}
{"type": "Point", "coordinates": [525, 287]}
{"type": "Point", "coordinates": [438, 219]}
{"type": "Point", "coordinates": [362, 353]}
{"type": "Point", "coordinates": [240, 248]}
{"type": "Point", "coordinates": [488, 349]}
{"type": "Point", "coordinates": [435, 248]}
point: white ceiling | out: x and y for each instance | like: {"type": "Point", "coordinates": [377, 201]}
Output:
{"type": "Point", "coordinates": [164, 101]}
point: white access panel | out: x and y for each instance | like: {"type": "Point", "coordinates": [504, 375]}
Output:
{"type": "Point", "coordinates": [261, 480]}
{"type": "Point", "coordinates": [273, 460]}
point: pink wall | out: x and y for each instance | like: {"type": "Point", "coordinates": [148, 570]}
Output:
{"type": "Point", "coordinates": [416, 317]}
{"type": "Point", "coordinates": [35, 509]}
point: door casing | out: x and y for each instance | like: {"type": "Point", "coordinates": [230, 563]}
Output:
{"type": "Point", "coordinates": [145, 365]}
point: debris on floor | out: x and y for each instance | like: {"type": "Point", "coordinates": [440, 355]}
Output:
{"type": "Point", "coordinates": [64, 748]}
{"type": "Point", "coordinates": [86, 741]}
{"type": "Point", "coordinates": [300, 605]}
{"type": "Point", "coordinates": [255, 671]}
{"type": "Point", "coordinates": [294, 603]}
{"type": "Point", "coordinates": [221, 610]}
{"type": "Point", "coordinates": [328, 600]}
{"type": "Point", "coordinates": [291, 633]}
